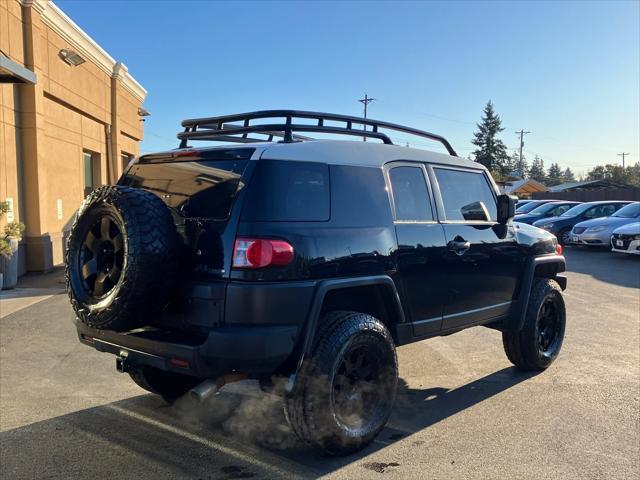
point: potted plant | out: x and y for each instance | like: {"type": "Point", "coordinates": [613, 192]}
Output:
{"type": "Point", "coordinates": [9, 250]}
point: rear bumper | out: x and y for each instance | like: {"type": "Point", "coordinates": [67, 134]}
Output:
{"type": "Point", "coordinates": [252, 350]}
{"type": "Point", "coordinates": [247, 327]}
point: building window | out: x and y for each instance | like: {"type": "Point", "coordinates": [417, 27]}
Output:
{"type": "Point", "coordinates": [125, 158]}
{"type": "Point", "coordinates": [91, 162]}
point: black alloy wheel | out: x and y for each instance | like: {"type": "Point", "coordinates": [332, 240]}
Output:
{"type": "Point", "coordinates": [548, 325]}
{"type": "Point", "coordinates": [102, 257]}
{"type": "Point", "coordinates": [358, 388]}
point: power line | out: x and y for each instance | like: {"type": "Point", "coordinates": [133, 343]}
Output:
{"type": "Point", "coordinates": [623, 154]}
{"type": "Point", "coordinates": [365, 101]}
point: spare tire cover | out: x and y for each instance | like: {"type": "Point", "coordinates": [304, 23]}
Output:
{"type": "Point", "coordinates": [122, 258]}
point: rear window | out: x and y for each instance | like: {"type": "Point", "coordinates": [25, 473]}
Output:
{"type": "Point", "coordinates": [202, 188]}
{"type": "Point", "coordinates": [288, 191]}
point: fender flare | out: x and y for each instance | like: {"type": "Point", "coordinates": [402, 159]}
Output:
{"type": "Point", "coordinates": [543, 267]}
{"type": "Point", "coordinates": [322, 289]}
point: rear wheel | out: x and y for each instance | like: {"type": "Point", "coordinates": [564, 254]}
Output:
{"type": "Point", "coordinates": [537, 345]}
{"type": "Point", "coordinates": [169, 385]}
{"type": "Point", "coordinates": [346, 390]}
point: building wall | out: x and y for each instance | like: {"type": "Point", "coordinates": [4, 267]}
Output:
{"type": "Point", "coordinates": [12, 46]}
{"type": "Point", "coordinates": [45, 128]}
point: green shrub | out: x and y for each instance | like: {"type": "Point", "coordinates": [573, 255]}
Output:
{"type": "Point", "coordinates": [11, 230]}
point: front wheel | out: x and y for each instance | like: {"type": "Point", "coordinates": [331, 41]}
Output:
{"type": "Point", "coordinates": [346, 390]}
{"type": "Point", "coordinates": [564, 237]}
{"type": "Point", "coordinates": [537, 345]}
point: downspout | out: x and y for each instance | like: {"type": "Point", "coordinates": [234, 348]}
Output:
{"type": "Point", "coordinates": [110, 174]}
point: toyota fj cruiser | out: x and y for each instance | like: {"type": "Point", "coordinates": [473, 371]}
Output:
{"type": "Point", "coordinates": [304, 263]}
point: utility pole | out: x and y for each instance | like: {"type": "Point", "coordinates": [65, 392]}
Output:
{"type": "Point", "coordinates": [522, 133]}
{"type": "Point", "coordinates": [623, 154]}
{"type": "Point", "coordinates": [365, 101]}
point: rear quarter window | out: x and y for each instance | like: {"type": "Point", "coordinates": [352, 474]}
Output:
{"type": "Point", "coordinates": [359, 197]}
{"type": "Point", "coordinates": [288, 191]}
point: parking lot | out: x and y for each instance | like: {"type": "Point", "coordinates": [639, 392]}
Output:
{"type": "Point", "coordinates": [462, 411]}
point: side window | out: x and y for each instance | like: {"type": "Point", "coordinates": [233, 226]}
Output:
{"type": "Point", "coordinates": [466, 195]}
{"type": "Point", "coordinates": [288, 191]}
{"type": "Point", "coordinates": [594, 212]}
{"type": "Point", "coordinates": [358, 196]}
{"type": "Point", "coordinates": [410, 194]}
{"type": "Point", "coordinates": [560, 210]}
{"type": "Point", "coordinates": [609, 210]}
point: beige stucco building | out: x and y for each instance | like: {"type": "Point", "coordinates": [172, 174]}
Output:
{"type": "Point", "coordinates": [70, 118]}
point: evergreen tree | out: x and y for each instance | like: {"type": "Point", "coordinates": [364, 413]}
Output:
{"type": "Point", "coordinates": [491, 151]}
{"type": "Point", "coordinates": [616, 173]}
{"type": "Point", "coordinates": [554, 176]}
{"type": "Point", "coordinates": [568, 176]}
{"type": "Point", "coordinates": [537, 170]}
{"type": "Point", "coordinates": [515, 167]}
{"type": "Point", "coordinates": [511, 166]}
{"type": "Point", "coordinates": [598, 173]}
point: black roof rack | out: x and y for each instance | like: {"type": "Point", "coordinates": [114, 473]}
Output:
{"type": "Point", "coordinates": [222, 129]}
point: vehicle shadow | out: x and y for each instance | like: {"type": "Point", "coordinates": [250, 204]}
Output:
{"type": "Point", "coordinates": [615, 268]}
{"type": "Point", "coordinates": [241, 433]}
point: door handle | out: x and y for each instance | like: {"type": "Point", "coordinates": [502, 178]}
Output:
{"type": "Point", "coordinates": [459, 247]}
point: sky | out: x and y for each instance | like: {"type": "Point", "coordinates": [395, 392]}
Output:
{"type": "Point", "coordinates": [569, 72]}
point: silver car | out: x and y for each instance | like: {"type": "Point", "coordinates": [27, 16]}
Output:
{"type": "Point", "coordinates": [626, 239]}
{"type": "Point", "coordinates": [597, 232]}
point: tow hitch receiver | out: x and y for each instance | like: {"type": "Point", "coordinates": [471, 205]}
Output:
{"type": "Point", "coordinates": [122, 365]}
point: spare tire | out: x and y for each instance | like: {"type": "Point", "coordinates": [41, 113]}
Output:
{"type": "Point", "coordinates": [122, 258]}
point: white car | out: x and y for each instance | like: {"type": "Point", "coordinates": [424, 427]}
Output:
{"type": "Point", "coordinates": [626, 239]}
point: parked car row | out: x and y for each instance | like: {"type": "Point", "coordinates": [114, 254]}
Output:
{"type": "Point", "coordinates": [605, 224]}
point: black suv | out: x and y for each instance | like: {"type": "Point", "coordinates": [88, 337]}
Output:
{"type": "Point", "coordinates": [304, 264]}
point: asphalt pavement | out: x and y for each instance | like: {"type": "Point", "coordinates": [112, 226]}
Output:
{"type": "Point", "coordinates": [462, 410]}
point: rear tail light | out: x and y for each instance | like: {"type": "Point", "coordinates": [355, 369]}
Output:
{"type": "Point", "coordinates": [178, 362]}
{"type": "Point", "coordinates": [559, 249]}
{"type": "Point", "coordinates": [260, 253]}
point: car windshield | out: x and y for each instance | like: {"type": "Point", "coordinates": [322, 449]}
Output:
{"type": "Point", "coordinates": [542, 209]}
{"type": "Point", "coordinates": [629, 211]}
{"type": "Point", "coordinates": [577, 210]}
{"type": "Point", "coordinates": [527, 207]}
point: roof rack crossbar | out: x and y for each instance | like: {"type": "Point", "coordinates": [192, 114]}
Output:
{"type": "Point", "coordinates": [217, 128]}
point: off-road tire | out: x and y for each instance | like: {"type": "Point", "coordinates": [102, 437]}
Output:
{"type": "Point", "coordinates": [149, 256]}
{"type": "Point", "coordinates": [523, 347]}
{"type": "Point", "coordinates": [169, 385]}
{"type": "Point", "coordinates": [311, 410]}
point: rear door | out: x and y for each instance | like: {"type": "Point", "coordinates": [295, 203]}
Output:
{"type": "Point", "coordinates": [482, 259]}
{"type": "Point", "coordinates": [203, 190]}
{"type": "Point", "coordinates": [421, 245]}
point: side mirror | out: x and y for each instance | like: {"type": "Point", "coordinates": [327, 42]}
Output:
{"type": "Point", "coordinates": [506, 208]}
